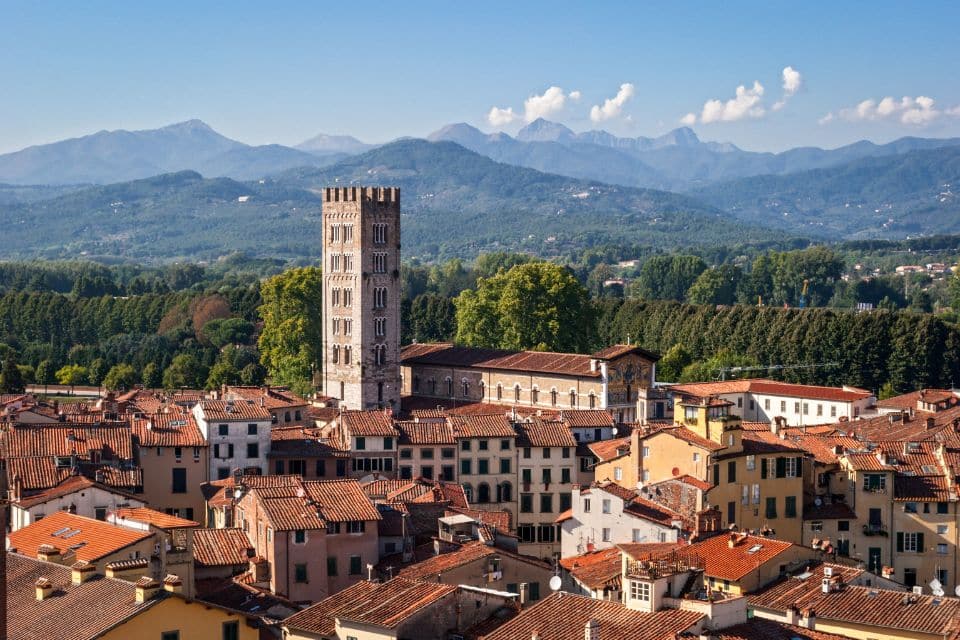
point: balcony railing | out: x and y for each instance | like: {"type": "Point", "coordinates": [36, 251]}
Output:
{"type": "Point", "coordinates": [875, 529]}
{"type": "Point", "coordinates": [668, 564]}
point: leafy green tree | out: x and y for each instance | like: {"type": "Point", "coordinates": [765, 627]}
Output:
{"type": "Point", "coordinates": [184, 372]}
{"type": "Point", "coordinates": [432, 318]}
{"type": "Point", "coordinates": [673, 363]}
{"type": "Point", "coordinates": [71, 375]}
{"type": "Point", "coordinates": [886, 391]}
{"type": "Point", "coordinates": [717, 285]}
{"type": "Point", "coordinates": [27, 373]}
{"type": "Point", "coordinates": [120, 377]}
{"type": "Point", "coordinates": [291, 339]}
{"type": "Point", "coordinates": [45, 374]}
{"type": "Point", "coordinates": [668, 277]}
{"type": "Point", "coordinates": [490, 264]}
{"type": "Point", "coordinates": [11, 378]}
{"type": "Point", "coordinates": [252, 374]}
{"type": "Point", "coordinates": [538, 305]}
{"type": "Point", "coordinates": [152, 376]}
{"type": "Point", "coordinates": [223, 331]}
{"type": "Point", "coordinates": [98, 369]}
{"type": "Point", "coordinates": [220, 374]}
{"type": "Point", "coordinates": [709, 369]}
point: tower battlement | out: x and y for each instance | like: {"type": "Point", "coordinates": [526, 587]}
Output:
{"type": "Point", "coordinates": [387, 195]}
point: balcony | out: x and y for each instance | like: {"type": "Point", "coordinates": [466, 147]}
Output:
{"type": "Point", "coordinates": [653, 567]}
{"type": "Point", "coordinates": [875, 529]}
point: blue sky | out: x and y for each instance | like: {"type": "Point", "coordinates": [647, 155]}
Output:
{"type": "Point", "coordinates": [281, 72]}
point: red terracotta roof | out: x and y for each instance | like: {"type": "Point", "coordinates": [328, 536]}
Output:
{"type": "Point", "coordinates": [43, 473]}
{"type": "Point", "coordinates": [562, 616]}
{"type": "Point", "coordinates": [221, 547]}
{"type": "Point", "coordinates": [446, 354]}
{"type": "Point", "coordinates": [367, 423]}
{"type": "Point", "coordinates": [866, 462]}
{"type": "Point", "coordinates": [273, 397]}
{"type": "Point", "coordinates": [429, 569]}
{"type": "Point", "coordinates": [69, 486]}
{"type": "Point", "coordinates": [647, 550]}
{"type": "Point", "coordinates": [482, 426]}
{"type": "Point", "coordinates": [66, 439]}
{"type": "Point", "coordinates": [863, 606]}
{"type": "Point", "coordinates": [382, 605]}
{"type": "Point", "coordinates": [763, 629]}
{"type": "Point", "coordinates": [154, 518]}
{"type": "Point", "coordinates": [587, 418]}
{"type": "Point", "coordinates": [597, 569]}
{"type": "Point", "coordinates": [233, 411]}
{"type": "Point", "coordinates": [748, 553]}
{"type": "Point", "coordinates": [86, 538]}
{"type": "Point", "coordinates": [169, 430]}
{"type": "Point", "coordinates": [311, 504]}
{"type": "Point", "coordinates": [432, 432]}
{"type": "Point", "coordinates": [770, 387]}
{"type": "Point", "coordinates": [606, 450]}
{"type": "Point", "coordinates": [619, 350]}
{"type": "Point", "coordinates": [825, 448]}
{"type": "Point", "coordinates": [544, 433]}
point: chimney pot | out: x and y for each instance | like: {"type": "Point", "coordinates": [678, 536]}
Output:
{"type": "Point", "coordinates": [591, 630]}
{"type": "Point", "coordinates": [173, 584]}
{"type": "Point", "coordinates": [82, 571]}
{"type": "Point", "coordinates": [44, 588]}
{"type": "Point", "coordinates": [524, 590]}
{"type": "Point", "coordinates": [146, 587]}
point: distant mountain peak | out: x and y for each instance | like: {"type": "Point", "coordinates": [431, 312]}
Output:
{"type": "Point", "coordinates": [541, 130]}
{"type": "Point", "coordinates": [194, 124]}
{"type": "Point", "coordinates": [329, 143]}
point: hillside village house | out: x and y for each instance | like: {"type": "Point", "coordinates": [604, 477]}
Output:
{"type": "Point", "coordinates": [77, 495]}
{"type": "Point", "coordinates": [617, 379]}
{"type": "Point", "coordinates": [372, 441]}
{"type": "Point", "coordinates": [174, 457]}
{"type": "Point", "coordinates": [237, 434]}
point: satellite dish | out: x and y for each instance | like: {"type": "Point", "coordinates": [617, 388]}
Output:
{"type": "Point", "coordinates": [956, 591]}
{"type": "Point", "coordinates": [938, 592]}
{"type": "Point", "coordinates": [614, 431]}
{"type": "Point", "coordinates": [935, 584]}
{"type": "Point", "coordinates": [818, 502]}
{"type": "Point", "coordinates": [675, 471]}
{"type": "Point", "coordinates": [555, 583]}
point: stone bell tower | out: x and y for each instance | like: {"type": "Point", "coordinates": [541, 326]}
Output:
{"type": "Point", "coordinates": [361, 289]}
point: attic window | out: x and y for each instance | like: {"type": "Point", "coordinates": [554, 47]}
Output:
{"type": "Point", "coordinates": [755, 548]}
{"type": "Point", "coordinates": [929, 468]}
{"type": "Point", "coordinates": [63, 461]}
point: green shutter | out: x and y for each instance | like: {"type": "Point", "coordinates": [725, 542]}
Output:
{"type": "Point", "coordinates": [920, 547]}
{"type": "Point", "coordinates": [716, 474]}
{"type": "Point", "coordinates": [799, 466]}
{"type": "Point", "coordinates": [899, 542]}
{"type": "Point", "coordinates": [763, 468]}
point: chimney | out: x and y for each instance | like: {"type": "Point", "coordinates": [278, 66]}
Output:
{"type": "Point", "coordinates": [81, 571]}
{"type": "Point", "coordinates": [260, 568]}
{"type": "Point", "coordinates": [524, 592]}
{"type": "Point", "coordinates": [147, 587]}
{"type": "Point", "coordinates": [173, 583]}
{"type": "Point", "coordinates": [48, 553]}
{"type": "Point", "coordinates": [44, 588]}
{"type": "Point", "coordinates": [732, 542]}
{"type": "Point", "coordinates": [591, 630]}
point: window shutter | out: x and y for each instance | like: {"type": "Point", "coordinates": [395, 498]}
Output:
{"type": "Point", "coordinates": [899, 542]}
{"type": "Point", "coordinates": [230, 451]}
{"type": "Point", "coordinates": [920, 547]}
{"type": "Point", "coordinates": [781, 467]}
{"type": "Point", "coordinates": [799, 466]}
{"type": "Point", "coordinates": [763, 468]}
{"type": "Point", "coordinates": [716, 474]}
{"type": "Point", "coordinates": [216, 451]}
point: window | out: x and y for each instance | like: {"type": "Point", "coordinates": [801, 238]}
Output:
{"type": "Point", "coordinates": [504, 465]}
{"type": "Point", "coordinates": [910, 542]}
{"type": "Point", "coordinates": [253, 450]}
{"type": "Point", "coordinates": [223, 429]}
{"type": "Point", "coordinates": [573, 398]}
{"type": "Point", "coordinates": [783, 406]}
{"type": "Point", "coordinates": [640, 590]}
{"type": "Point", "coordinates": [806, 408]}
{"type": "Point", "coordinates": [380, 327]}
{"type": "Point", "coordinates": [406, 454]}
{"type": "Point", "coordinates": [356, 526]}
{"type": "Point", "coordinates": [766, 404]}
{"type": "Point", "coordinates": [252, 428]}
{"type": "Point", "coordinates": [910, 507]}
{"type": "Point", "coordinates": [355, 565]}
{"type": "Point", "coordinates": [791, 467]}
{"type": "Point", "coordinates": [465, 388]}
{"type": "Point", "coordinates": [618, 474]}
{"type": "Point", "coordinates": [941, 549]}
{"type": "Point", "coordinates": [348, 297]}
{"type": "Point", "coordinates": [943, 507]}
{"type": "Point", "coordinates": [546, 476]}
{"type": "Point", "coordinates": [790, 507]}
{"type": "Point", "coordinates": [526, 503]}
{"type": "Point", "coordinates": [771, 507]}
{"type": "Point", "coordinates": [347, 354]}
{"type": "Point", "coordinates": [299, 536]}
{"type": "Point", "coordinates": [646, 452]}
{"type": "Point", "coordinates": [565, 475]}
{"type": "Point", "coordinates": [447, 453]}
{"type": "Point", "coordinates": [751, 463]}
{"type": "Point", "coordinates": [605, 506]}
{"type": "Point", "coordinates": [379, 263]}
{"type": "Point", "coordinates": [875, 482]}
{"type": "Point", "coordinates": [331, 566]}
{"type": "Point", "coordinates": [833, 411]}
{"type": "Point", "coordinates": [379, 297]}
{"type": "Point", "coordinates": [593, 400]}
{"type": "Point", "coordinates": [380, 233]}
{"type": "Point", "coordinates": [179, 480]}
{"type": "Point", "coordinates": [483, 466]}
{"type": "Point", "coordinates": [546, 503]}
{"type": "Point", "coordinates": [348, 233]}
{"type": "Point", "coordinates": [516, 393]}
{"type": "Point", "coordinates": [566, 501]}
{"type": "Point", "coordinates": [696, 456]}
{"type": "Point", "coordinates": [534, 392]}
{"type": "Point", "coordinates": [605, 534]}
{"type": "Point", "coordinates": [483, 492]}
{"type": "Point", "coordinates": [745, 495]}
{"type": "Point", "coordinates": [527, 452]}
{"type": "Point", "coordinates": [586, 505]}
{"type": "Point", "coordinates": [732, 471]}
{"type": "Point", "coordinates": [796, 407]}
{"type": "Point", "coordinates": [756, 494]}
{"type": "Point", "coordinates": [465, 467]}
{"type": "Point", "coordinates": [819, 409]}
{"type": "Point", "coordinates": [300, 573]}
{"type": "Point", "coordinates": [553, 397]}
{"type": "Point", "coordinates": [816, 526]}
{"type": "Point", "coordinates": [170, 635]}
{"type": "Point", "coordinates": [361, 443]}
{"type": "Point", "coordinates": [504, 445]}
{"type": "Point", "coordinates": [388, 444]}
{"type": "Point", "coordinates": [843, 525]}
{"type": "Point", "coordinates": [941, 529]}
{"type": "Point", "coordinates": [464, 445]}
{"type": "Point", "coordinates": [484, 445]}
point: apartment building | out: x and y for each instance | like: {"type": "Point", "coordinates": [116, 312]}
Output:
{"type": "Point", "coordinates": [237, 434]}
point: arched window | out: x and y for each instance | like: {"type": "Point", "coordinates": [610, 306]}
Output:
{"type": "Point", "coordinates": [467, 492]}
{"type": "Point", "coordinates": [449, 386]}
{"type": "Point", "coordinates": [432, 385]}
{"type": "Point", "coordinates": [505, 491]}
{"type": "Point", "coordinates": [483, 492]}
{"type": "Point", "coordinates": [516, 393]}
{"type": "Point", "coordinates": [534, 394]}
{"type": "Point", "coordinates": [553, 396]}
{"type": "Point", "coordinates": [335, 354]}
{"type": "Point", "coordinates": [573, 398]}
{"type": "Point", "coordinates": [593, 400]}
{"type": "Point", "coordinates": [465, 388]}
{"type": "Point", "coordinates": [347, 354]}
{"type": "Point", "coordinates": [380, 354]}
{"type": "Point", "coordinates": [499, 391]}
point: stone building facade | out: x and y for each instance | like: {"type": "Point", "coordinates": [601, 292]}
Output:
{"type": "Point", "coordinates": [361, 296]}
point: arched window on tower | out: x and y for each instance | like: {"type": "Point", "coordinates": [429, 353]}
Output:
{"type": "Point", "coordinates": [573, 398]}
{"type": "Point", "coordinates": [553, 396]}
{"type": "Point", "coordinates": [516, 393]}
{"type": "Point", "coordinates": [335, 354]}
{"type": "Point", "coordinates": [465, 388]}
{"type": "Point", "coordinates": [499, 391]}
{"type": "Point", "coordinates": [534, 395]}
{"type": "Point", "coordinates": [449, 382]}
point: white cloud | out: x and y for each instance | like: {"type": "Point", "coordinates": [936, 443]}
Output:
{"type": "Point", "coordinates": [690, 119]}
{"type": "Point", "coordinates": [544, 106]}
{"type": "Point", "coordinates": [826, 119]}
{"type": "Point", "coordinates": [501, 117]}
{"type": "Point", "coordinates": [791, 84]}
{"type": "Point", "coordinates": [918, 111]}
{"type": "Point", "coordinates": [745, 104]}
{"type": "Point", "coordinates": [612, 107]}
{"type": "Point", "coordinates": [574, 95]}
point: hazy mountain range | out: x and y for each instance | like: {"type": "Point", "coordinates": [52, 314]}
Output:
{"type": "Point", "coordinates": [185, 191]}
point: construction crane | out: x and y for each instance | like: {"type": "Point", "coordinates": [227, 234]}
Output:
{"type": "Point", "coordinates": [803, 294]}
{"type": "Point", "coordinates": [774, 367]}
